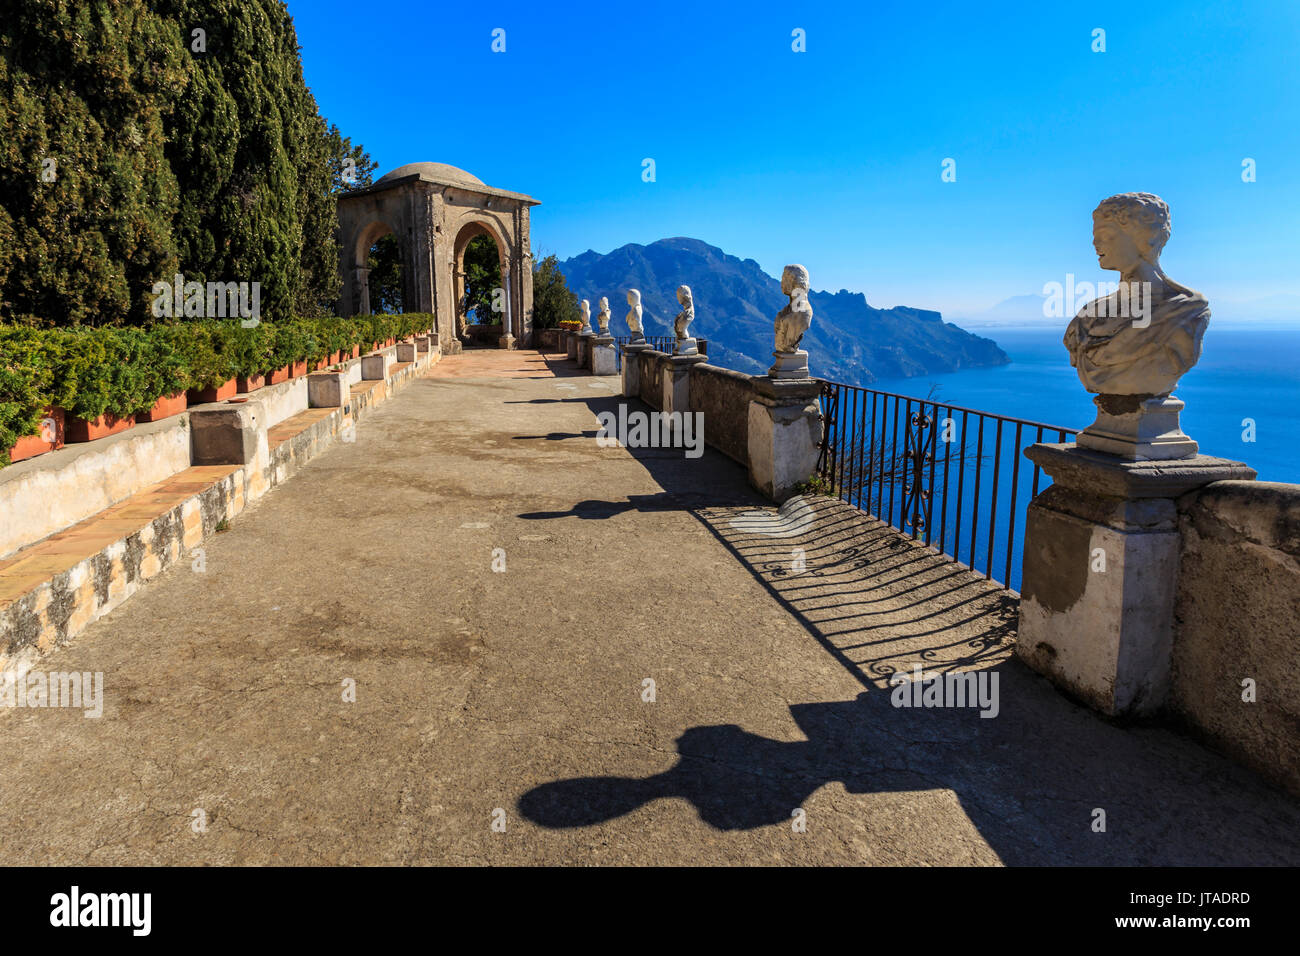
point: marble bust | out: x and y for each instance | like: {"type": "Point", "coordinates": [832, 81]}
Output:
{"type": "Point", "coordinates": [634, 313]}
{"type": "Point", "coordinates": [1130, 348]}
{"type": "Point", "coordinates": [686, 345]}
{"type": "Point", "coordinates": [602, 319]}
{"type": "Point", "coordinates": [791, 324]}
{"type": "Point", "coordinates": [1114, 351]}
{"type": "Point", "coordinates": [585, 308]}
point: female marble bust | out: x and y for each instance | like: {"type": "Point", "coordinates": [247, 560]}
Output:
{"type": "Point", "coordinates": [1114, 351]}
{"type": "Point", "coordinates": [796, 318]}
{"type": "Point", "coordinates": [634, 313]}
{"type": "Point", "coordinates": [685, 317]}
{"type": "Point", "coordinates": [585, 308]}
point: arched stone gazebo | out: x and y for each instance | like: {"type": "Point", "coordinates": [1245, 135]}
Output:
{"type": "Point", "coordinates": [435, 210]}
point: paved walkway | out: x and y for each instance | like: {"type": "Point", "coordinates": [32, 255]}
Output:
{"type": "Point", "coordinates": [523, 690]}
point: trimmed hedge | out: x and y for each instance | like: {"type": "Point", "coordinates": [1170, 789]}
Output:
{"type": "Point", "coordinates": [123, 370]}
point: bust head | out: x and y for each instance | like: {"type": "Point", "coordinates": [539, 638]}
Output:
{"type": "Point", "coordinates": [634, 298]}
{"type": "Point", "coordinates": [794, 277]}
{"type": "Point", "coordinates": [585, 308]}
{"type": "Point", "coordinates": [684, 295]}
{"type": "Point", "coordinates": [1130, 228]}
{"type": "Point", "coordinates": [604, 303]}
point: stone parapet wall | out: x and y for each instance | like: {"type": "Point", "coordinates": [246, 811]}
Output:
{"type": "Point", "coordinates": [1237, 618]}
{"type": "Point", "coordinates": [723, 395]}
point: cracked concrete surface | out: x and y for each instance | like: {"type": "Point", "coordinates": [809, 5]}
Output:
{"type": "Point", "coordinates": [522, 690]}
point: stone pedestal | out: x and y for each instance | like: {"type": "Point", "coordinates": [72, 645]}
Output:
{"type": "Point", "coordinates": [686, 347]}
{"type": "Point", "coordinates": [677, 382]}
{"type": "Point", "coordinates": [785, 433]}
{"type": "Point", "coordinates": [406, 352]}
{"type": "Point", "coordinates": [421, 343]}
{"type": "Point", "coordinates": [789, 365]}
{"type": "Point", "coordinates": [228, 434]}
{"type": "Point", "coordinates": [328, 389]}
{"type": "Point", "coordinates": [1135, 429]}
{"type": "Point", "coordinates": [571, 345]}
{"type": "Point", "coordinates": [506, 341]}
{"type": "Point", "coordinates": [1100, 572]}
{"type": "Point", "coordinates": [375, 367]}
{"type": "Point", "coordinates": [584, 349]}
{"type": "Point", "coordinates": [632, 368]}
{"type": "Point", "coordinates": [604, 357]}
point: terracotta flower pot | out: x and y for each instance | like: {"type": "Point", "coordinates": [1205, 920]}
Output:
{"type": "Point", "coordinates": [249, 383]}
{"type": "Point", "coordinates": [298, 369]}
{"type": "Point", "coordinates": [50, 439]}
{"type": "Point", "coordinates": [356, 351]}
{"type": "Point", "coordinates": [323, 364]}
{"type": "Point", "coordinates": [165, 407]}
{"type": "Point", "coordinates": [201, 396]}
{"type": "Point", "coordinates": [278, 376]}
{"type": "Point", "coordinates": [80, 430]}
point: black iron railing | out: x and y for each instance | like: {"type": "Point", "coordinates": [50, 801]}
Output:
{"type": "Point", "coordinates": [936, 471]}
{"type": "Point", "coordinates": [660, 343]}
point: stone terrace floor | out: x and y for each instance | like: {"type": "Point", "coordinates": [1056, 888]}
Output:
{"type": "Point", "coordinates": [522, 690]}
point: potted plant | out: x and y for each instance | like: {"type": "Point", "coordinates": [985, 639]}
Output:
{"type": "Point", "coordinates": [212, 369]}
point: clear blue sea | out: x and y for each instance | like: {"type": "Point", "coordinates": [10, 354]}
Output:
{"type": "Point", "coordinates": [1244, 372]}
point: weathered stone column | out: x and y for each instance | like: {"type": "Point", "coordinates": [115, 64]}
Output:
{"type": "Point", "coordinates": [584, 348]}
{"type": "Point", "coordinates": [507, 340]}
{"type": "Point", "coordinates": [1100, 572]}
{"type": "Point", "coordinates": [785, 434]}
{"type": "Point", "coordinates": [632, 368]}
{"type": "Point", "coordinates": [603, 361]}
{"type": "Point", "coordinates": [677, 382]}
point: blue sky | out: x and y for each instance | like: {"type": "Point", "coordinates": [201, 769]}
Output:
{"type": "Point", "coordinates": [832, 157]}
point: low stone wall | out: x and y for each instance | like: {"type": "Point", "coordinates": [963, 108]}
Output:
{"type": "Point", "coordinates": [56, 490]}
{"type": "Point", "coordinates": [547, 340]}
{"type": "Point", "coordinates": [1237, 618]}
{"type": "Point", "coordinates": [723, 396]}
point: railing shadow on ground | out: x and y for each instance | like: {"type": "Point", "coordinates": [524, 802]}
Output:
{"type": "Point", "coordinates": [1029, 779]}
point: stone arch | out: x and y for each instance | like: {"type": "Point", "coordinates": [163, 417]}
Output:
{"type": "Point", "coordinates": [435, 210]}
{"type": "Point", "coordinates": [467, 230]}
{"type": "Point", "coordinates": [363, 239]}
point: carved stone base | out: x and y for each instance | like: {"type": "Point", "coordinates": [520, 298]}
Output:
{"type": "Point", "coordinates": [686, 347]}
{"type": "Point", "coordinates": [789, 365]}
{"type": "Point", "coordinates": [1137, 429]}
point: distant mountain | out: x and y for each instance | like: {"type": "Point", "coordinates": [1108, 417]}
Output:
{"type": "Point", "coordinates": [736, 303]}
{"type": "Point", "coordinates": [1019, 310]}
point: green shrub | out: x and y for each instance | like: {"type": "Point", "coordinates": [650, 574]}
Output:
{"type": "Point", "coordinates": [122, 370]}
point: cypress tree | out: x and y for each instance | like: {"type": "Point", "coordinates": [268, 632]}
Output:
{"type": "Point", "coordinates": [86, 195]}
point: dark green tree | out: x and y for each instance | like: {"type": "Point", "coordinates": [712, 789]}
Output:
{"type": "Point", "coordinates": [553, 301]}
{"type": "Point", "coordinates": [86, 196]}
{"type": "Point", "coordinates": [385, 262]}
{"type": "Point", "coordinates": [482, 277]}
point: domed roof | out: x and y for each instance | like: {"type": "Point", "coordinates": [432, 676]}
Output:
{"type": "Point", "coordinates": [440, 172]}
